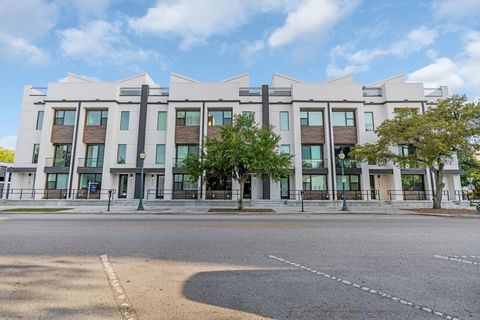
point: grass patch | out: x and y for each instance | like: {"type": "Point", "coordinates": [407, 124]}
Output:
{"type": "Point", "coordinates": [38, 210]}
{"type": "Point", "coordinates": [244, 210]}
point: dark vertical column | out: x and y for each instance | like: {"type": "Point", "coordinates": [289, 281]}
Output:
{"type": "Point", "coordinates": [265, 124]}
{"type": "Point", "coordinates": [74, 151]}
{"type": "Point", "coordinates": [202, 140]}
{"type": "Point", "coordinates": [332, 151]}
{"type": "Point", "coordinates": [142, 126]}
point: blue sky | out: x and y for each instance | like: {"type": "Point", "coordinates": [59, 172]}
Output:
{"type": "Point", "coordinates": [437, 42]}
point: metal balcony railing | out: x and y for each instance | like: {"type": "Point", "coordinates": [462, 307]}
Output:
{"type": "Point", "coordinates": [347, 163]}
{"type": "Point", "coordinates": [314, 163]}
{"type": "Point", "coordinates": [255, 91]}
{"type": "Point", "coordinates": [90, 162]}
{"type": "Point", "coordinates": [159, 91]}
{"type": "Point", "coordinates": [130, 91]}
{"type": "Point", "coordinates": [372, 92]}
{"type": "Point", "coordinates": [416, 194]}
{"type": "Point", "coordinates": [57, 162]}
{"type": "Point", "coordinates": [279, 91]}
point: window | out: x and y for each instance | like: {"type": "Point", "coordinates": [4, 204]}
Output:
{"type": "Point", "coordinates": [369, 126]}
{"type": "Point", "coordinates": [85, 178]}
{"type": "Point", "coordinates": [64, 118]}
{"type": "Point", "coordinates": [121, 153]}
{"type": "Point", "coordinates": [311, 118]}
{"type": "Point", "coordinates": [63, 153]}
{"type": "Point", "coordinates": [97, 118]}
{"type": "Point", "coordinates": [95, 153]}
{"type": "Point", "coordinates": [124, 120]}
{"type": "Point", "coordinates": [352, 182]}
{"type": "Point", "coordinates": [39, 120]}
{"type": "Point", "coordinates": [285, 148]}
{"type": "Point", "coordinates": [413, 182]}
{"type": "Point", "coordinates": [312, 156]}
{"type": "Point", "coordinates": [183, 151]}
{"type": "Point", "coordinates": [188, 118]}
{"type": "Point", "coordinates": [57, 181]}
{"type": "Point", "coordinates": [284, 121]}
{"type": "Point", "coordinates": [219, 118]}
{"type": "Point", "coordinates": [343, 118]}
{"type": "Point", "coordinates": [314, 182]}
{"type": "Point", "coordinates": [160, 154]}
{"type": "Point", "coordinates": [162, 121]}
{"type": "Point", "coordinates": [184, 182]}
{"type": "Point", "coordinates": [407, 151]}
{"type": "Point", "coordinates": [36, 151]}
{"type": "Point", "coordinates": [248, 113]}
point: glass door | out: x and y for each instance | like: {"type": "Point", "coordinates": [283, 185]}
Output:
{"type": "Point", "coordinates": [122, 186]}
{"type": "Point", "coordinates": [285, 188]}
{"type": "Point", "coordinates": [160, 186]}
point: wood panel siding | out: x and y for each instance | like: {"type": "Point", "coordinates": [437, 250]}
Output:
{"type": "Point", "coordinates": [345, 135]}
{"type": "Point", "coordinates": [94, 134]}
{"type": "Point", "coordinates": [187, 134]}
{"type": "Point", "coordinates": [62, 134]}
{"type": "Point", "coordinates": [313, 135]}
{"type": "Point", "coordinates": [213, 131]}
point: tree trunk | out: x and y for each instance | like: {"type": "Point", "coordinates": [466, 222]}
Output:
{"type": "Point", "coordinates": [439, 185]}
{"type": "Point", "coordinates": [242, 187]}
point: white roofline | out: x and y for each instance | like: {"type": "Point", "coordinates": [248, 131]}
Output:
{"type": "Point", "coordinates": [236, 77]}
{"type": "Point", "coordinates": [340, 78]}
{"type": "Point", "coordinates": [133, 77]}
{"type": "Point", "coordinates": [69, 74]}
{"type": "Point", "coordinates": [376, 83]}
{"type": "Point", "coordinates": [285, 77]}
{"type": "Point", "coordinates": [183, 77]}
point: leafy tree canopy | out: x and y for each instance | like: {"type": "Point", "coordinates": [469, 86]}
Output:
{"type": "Point", "coordinates": [6, 155]}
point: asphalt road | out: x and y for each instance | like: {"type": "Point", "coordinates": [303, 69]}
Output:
{"type": "Point", "coordinates": [299, 267]}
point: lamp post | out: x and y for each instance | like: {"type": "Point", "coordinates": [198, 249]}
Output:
{"type": "Point", "coordinates": [341, 156]}
{"type": "Point", "coordinates": [142, 157]}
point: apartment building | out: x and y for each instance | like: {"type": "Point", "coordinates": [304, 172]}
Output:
{"type": "Point", "coordinates": [81, 138]}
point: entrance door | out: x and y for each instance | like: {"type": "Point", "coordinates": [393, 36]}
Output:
{"type": "Point", "coordinates": [160, 186]}
{"type": "Point", "coordinates": [247, 189]}
{"type": "Point", "coordinates": [122, 186]}
{"type": "Point", "coordinates": [373, 195]}
{"type": "Point", "coordinates": [285, 188]}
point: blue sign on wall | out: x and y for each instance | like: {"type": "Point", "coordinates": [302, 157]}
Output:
{"type": "Point", "coordinates": [93, 187]}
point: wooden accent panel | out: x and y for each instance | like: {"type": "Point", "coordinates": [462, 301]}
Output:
{"type": "Point", "coordinates": [345, 135]}
{"type": "Point", "coordinates": [187, 134]}
{"type": "Point", "coordinates": [213, 131]}
{"type": "Point", "coordinates": [94, 134]}
{"type": "Point", "coordinates": [62, 134]}
{"type": "Point", "coordinates": [312, 134]}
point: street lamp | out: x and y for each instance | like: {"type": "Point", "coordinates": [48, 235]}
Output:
{"type": "Point", "coordinates": [142, 157]}
{"type": "Point", "coordinates": [341, 156]}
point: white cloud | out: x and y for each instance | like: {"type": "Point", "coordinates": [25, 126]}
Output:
{"type": "Point", "coordinates": [311, 16]}
{"type": "Point", "coordinates": [360, 60]}
{"type": "Point", "coordinates": [89, 9]}
{"type": "Point", "coordinates": [251, 50]}
{"type": "Point", "coordinates": [456, 9]}
{"type": "Point", "coordinates": [8, 142]}
{"type": "Point", "coordinates": [101, 42]}
{"type": "Point", "coordinates": [460, 73]}
{"type": "Point", "coordinates": [22, 23]}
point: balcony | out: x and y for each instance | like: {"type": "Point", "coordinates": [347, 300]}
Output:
{"type": "Point", "coordinates": [372, 92]}
{"type": "Point", "coordinates": [256, 91]}
{"type": "Point", "coordinates": [433, 92]}
{"type": "Point", "coordinates": [90, 162]}
{"type": "Point", "coordinates": [347, 163]}
{"type": "Point", "coordinates": [162, 92]}
{"type": "Point", "coordinates": [281, 92]}
{"type": "Point", "coordinates": [131, 91]}
{"type": "Point", "coordinates": [314, 163]}
{"type": "Point", "coordinates": [57, 162]}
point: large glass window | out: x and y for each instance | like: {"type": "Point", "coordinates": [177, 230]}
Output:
{"type": "Point", "coordinates": [184, 182]}
{"type": "Point", "coordinates": [160, 154]}
{"type": "Point", "coordinates": [162, 121]}
{"type": "Point", "coordinates": [85, 178]}
{"type": "Point", "coordinates": [248, 113]}
{"type": "Point", "coordinates": [36, 151]}
{"type": "Point", "coordinates": [407, 151]}
{"type": "Point", "coordinates": [284, 125]}
{"type": "Point", "coordinates": [343, 118]}
{"type": "Point", "coordinates": [95, 155]}
{"type": "Point", "coordinates": [219, 118]}
{"type": "Point", "coordinates": [369, 125]}
{"type": "Point", "coordinates": [285, 148]}
{"type": "Point", "coordinates": [121, 153]}
{"type": "Point", "coordinates": [183, 151]}
{"type": "Point", "coordinates": [64, 117]}
{"type": "Point", "coordinates": [124, 120]}
{"type": "Point", "coordinates": [312, 182]}
{"type": "Point", "coordinates": [312, 156]}
{"type": "Point", "coordinates": [311, 118]}
{"type": "Point", "coordinates": [57, 181]}
{"type": "Point", "coordinates": [97, 118]}
{"type": "Point", "coordinates": [413, 182]}
{"type": "Point", "coordinates": [63, 153]}
{"type": "Point", "coordinates": [188, 118]}
{"type": "Point", "coordinates": [352, 182]}
{"type": "Point", "coordinates": [40, 120]}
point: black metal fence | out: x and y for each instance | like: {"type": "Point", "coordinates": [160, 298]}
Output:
{"type": "Point", "coordinates": [415, 194]}
{"type": "Point", "coordinates": [38, 194]}
{"type": "Point", "coordinates": [334, 195]}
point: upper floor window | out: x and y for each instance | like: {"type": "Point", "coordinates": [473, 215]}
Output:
{"type": "Point", "coordinates": [40, 120]}
{"type": "Point", "coordinates": [369, 125]}
{"type": "Point", "coordinates": [97, 118]}
{"type": "Point", "coordinates": [311, 118]}
{"type": "Point", "coordinates": [160, 154]}
{"type": "Point", "coordinates": [188, 118]}
{"type": "Point", "coordinates": [219, 118]}
{"type": "Point", "coordinates": [162, 121]}
{"type": "Point", "coordinates": [36, 151]}
{"type": "Point", "coordinates": [285, 149]}
{"type": "Point", "coordinates": [343, 118]}
{"type": "Point", "coordinates": [64, 117]}
{"type": "Point", "coordinates": [248, 113]}
{"type": "Point", "coordinates": [284, 126]}
{"type": "Point", "coordinates": [124, 120]}
{"type": "Point", "coordinates": [121, 153]}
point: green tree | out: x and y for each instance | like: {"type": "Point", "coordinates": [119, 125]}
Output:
{"type": "Point", "coordinates": [471, 168]}
{"type": "Point", "coordinates": [6, 155]}
{"type": "Point", "coordinates": [242, 149]}
{"type": "Point", "coordinates": [435, 137]}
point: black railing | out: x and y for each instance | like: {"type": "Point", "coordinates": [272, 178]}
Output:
{"type": "Point", "coordinates": [192, 194]}
{"type": "Point", "coordinates": [313, 164]}
{"type": "Point", "coordinates": [255, 91]}
{"type": "Point", "coordinates": [57, 162]}
{"type": "Point", "coordinates": [416, 194]}
{"type": "Point", "coordinates": [347, 163]}
{"type": "Point", "coordinates": [466, 195]}
{"type": "Point", "coordinates": [365, 195]}
{"type": "Point", "coordinates": [37, 194]}
{"type": "Point", "coordinates": [90, 162]}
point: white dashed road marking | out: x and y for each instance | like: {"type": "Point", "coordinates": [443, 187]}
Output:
{"type": "Point", "coordinates": [121, 298]}
{"type": "Point", "coordinates": [452, 258]}
{"type": "Point", "coordinates": [468, 257]}
{"type": "Point", "coordinates": [369, 290]}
